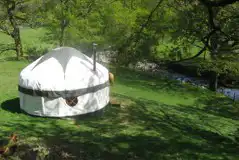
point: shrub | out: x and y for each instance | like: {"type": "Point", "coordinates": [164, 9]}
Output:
{"type": "Point", "coordinates": [36, 50]}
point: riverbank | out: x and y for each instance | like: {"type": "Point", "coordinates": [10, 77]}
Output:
{"type": "Point", "coordinates": [195, 81]}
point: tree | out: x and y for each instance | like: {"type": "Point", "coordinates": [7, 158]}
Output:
{"type": "Point", "coordinates": [210, 25]}
{"type": "Point", "coordinates": [64, 18]}
{"type": "Point", "coordinates": [12, 14]}
{"type": "Point", "coordinates": [144, 34]}
{"type": "Point", "coordinates": [55, 15]}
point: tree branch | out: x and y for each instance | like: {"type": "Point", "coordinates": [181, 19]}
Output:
{"type": "Point", "coordinates": [218, 3]}
{"type": "Point", "coordinates": [196, 45]}
{"type": "Point", "coordinates": [21, 2]}
{"type": "Point", "coordinates": [195, 56]}
{"type": "Point", "coordinates": [135, 36]}
{"type": "Point", "coordinates": [211, 17]}
{"type": "Point", "coordinates": [205, 41]}
{"type": "Point", "coordinates": [4, 30]}
{"type": "Point", "coordinates": [206, 38]}
{"type": "Point", "coordinates": [150, 17]}
{"type": "Point", "coordinates": [20, 18]}
{"type": "Point", "coordinates": [214, 27]}
{"type": "Point", "coordinates": [89, 9]}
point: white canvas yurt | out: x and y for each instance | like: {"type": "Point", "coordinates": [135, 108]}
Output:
{"type": "Point", "coordinates": [63, 83]}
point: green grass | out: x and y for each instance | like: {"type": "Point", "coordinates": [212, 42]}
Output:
{"type": "Point", "coordinates": [159, 119]}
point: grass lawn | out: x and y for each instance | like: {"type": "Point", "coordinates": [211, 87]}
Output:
{"type": "Point", "coordinates": [159, 119]}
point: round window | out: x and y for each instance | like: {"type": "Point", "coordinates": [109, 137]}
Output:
{"type": "Point", "coordinates": [71, 101]}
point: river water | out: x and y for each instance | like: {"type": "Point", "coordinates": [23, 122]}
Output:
{"type": "Point", "coordinates": [229, 92]}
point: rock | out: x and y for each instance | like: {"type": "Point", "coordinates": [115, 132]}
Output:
{"type": "Point", "coordinates": [106, 56]}
{"type": "Point", "coordinates": [146, 66]}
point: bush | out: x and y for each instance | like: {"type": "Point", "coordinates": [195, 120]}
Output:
{"type": "Point", "coordinates": [34, 148]}
{"type": "Point", "coordinates": [36, 50]}
{"type": "Point", "coordinates": [227, 71]}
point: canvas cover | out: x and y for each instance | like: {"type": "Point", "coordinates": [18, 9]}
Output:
{"type": "Point", "coordinates": [63, 73]}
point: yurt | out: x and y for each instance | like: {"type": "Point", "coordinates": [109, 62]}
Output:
{"type": "Point", "coordinates": [63, 83]}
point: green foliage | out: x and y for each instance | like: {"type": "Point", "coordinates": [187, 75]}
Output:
{"type": "Point", "coordinates": [119, 22]}
{"type": "Point", "coordinates": [31, 145]}
{"type": "Point", "coordinates": [19, 13]}
{"type": "Point", "coordinates": [34, 41]}
{"type": "Point", "coordinates": [35, 148]}
{"type": "Point", "coordinates": [113, 23]}
{"type": "Point", "coordinates": [229, 68]}
{"type": "Point", "coordinates": [36, 50]}
{"type": "Point", "coordinates": [57, 17]}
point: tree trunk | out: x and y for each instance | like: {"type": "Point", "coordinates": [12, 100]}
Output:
{"type": "Point", "coordinates": [61, 40]}
{"type": "Point", "coordinates": [213, 25]}
{"type": "Point", "coordinates": [18, 46]}
{"type": "Point", "coordinates": [124, 4]}
{"type": "Point", "coordinates": [213, 81]}
{"type": "Point", "coordinates": [15, 34]}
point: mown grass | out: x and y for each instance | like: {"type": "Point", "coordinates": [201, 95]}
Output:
{"type": "Point", "coordinates": [159, 119]}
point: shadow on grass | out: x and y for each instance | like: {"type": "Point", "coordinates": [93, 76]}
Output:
{"type": "Point", "coordinates": [212, 103]}
{"type": "Point", "coordinates": [145, 130]}
{"type": "Point", "coordinates": [12, 105]}
{"type": "Point", "coordinates": [220, 106]}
